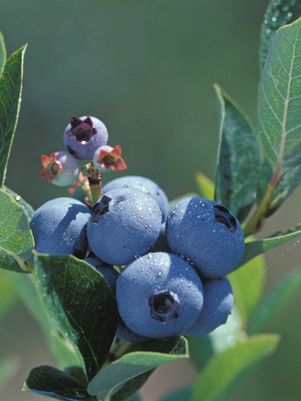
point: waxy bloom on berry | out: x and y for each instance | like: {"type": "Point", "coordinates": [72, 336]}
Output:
{"type": "Point", "coordinates": [84, 135]}
{"type": "Point", "coordinates": [60, 168]}
{"type": "Point", "coordinates": [109, 158]}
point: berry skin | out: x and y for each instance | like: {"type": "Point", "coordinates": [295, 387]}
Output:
{"type": "Point", "coordinates": [83, 135]}
{"type": "Point", "coordinates": [124, 224]}
{"type": "Point", "coordinates": [59, 227]}
{"type": "Point", "coordinates": [60, 168]}
{"type": "Point", "coordinates": [218, 304]}
{"type": "Point", "coordinates": [159, 295]}
{"type": "Point", "coordinates": [109, 273]}
{"type": "Point", "coordinates": [207, 234]}
{"type": "Point", "coordinates": [125, 334]}
{"type": "Point", "coordinates": [143, 184]}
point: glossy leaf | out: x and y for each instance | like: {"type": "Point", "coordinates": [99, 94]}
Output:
{"type": "Point", "coordinates": [258, 247]}
{"type": "Point", "coordinates": [2, 53]}
{"type": "Point", "coordinates": [277, 301]}
{"type": "Point", "coordinates": [27, 208]}
{"type": "Point", "coordinates": [51, 382]}
{"type": "Point", "coordinates": [61, 349]}
{"type": "Point", "coordinates": [10, 99]}
{"type": "Point", "coordinates": [205, 186]}
{"type": "Point", "coordinates": [8, 293]}
{"type": "Point", "coordinates": [16, 241]}
{"type": "Point", "coordinates": [81, 304]}
{"type": "Point", "coordinates": [279, 101]}
{"type": "Point", "coordinates": [278, 13]}
{"type": "Point", "coordinates": [231, 366]}
{"type": "Point", "coordinates": [130, 366]}
{"type": "Point", "coordinates": [248, 284]}
{"type": "Point", "coordinates": [238, 158]}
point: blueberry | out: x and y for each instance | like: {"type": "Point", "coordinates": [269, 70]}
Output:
{"type": "Point", "coordinates": [207, 234]}
{"type": "Point", "coordinates": [143, 184]}
{"type": "Point", "coordinates": [161, 244]}
{"type": "Point", "coordinates": [125, 224]}
{"type": "Point", "coordinates": [83, 135]}
{"type": "Point", "coordinates": [218, 304]}
{"type": "Point", "coordinates": [107, 158]}
{"type": "Point", "coordinates": [60, 168]}
{"type": "Point", "coordinates": [59, 227]}
{"type": "Point", "coordinates": [159, 295]}
{"type": "Point", "coordinates": [109, 273]}
{"type": "Point", "coordinates": [126, 334]}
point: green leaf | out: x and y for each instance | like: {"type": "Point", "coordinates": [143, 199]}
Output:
{"type": "Point", "coordinates": [8, 369]}
{"type": "Point", "coordinates": [226, 369]}
{"type": "Point", "coordinates": [278, 13]}
{"type": "Point", "coordinates": [205, 186]}
{"type": "Point", "coordinates": [51, 382]}
{"type": "Point", "coordinates": [16, 241]}
{"type": "Point", "coordinates": [10, 100]}
{"type": "Point", "coordinates": [255, 248]}
{"type": "Point", "coordinates": [184, 394]}
{"type": "Point", "coordinates": [200, 350]}
{"type": "Point", "coordinates": [278, 103]}
{"type": "Point", "coordinates": [8, 293]}
{"type": "Point", "coordinates": [130, 366]}
{"type": "Point", "coordinates": [248, 284]}
{"type": "Point", "coordinates": [61, 349]}
{"type": "Point", "coordinates": [81, 303]}
{"type": "Point", "coordinates": [2, 53]}
{"type": "Point", "coordinates": [27, 208]}
{"type": "Point", "coordinates": [277, 301]}
{"type": "Point", "coordinates": [238, 158]}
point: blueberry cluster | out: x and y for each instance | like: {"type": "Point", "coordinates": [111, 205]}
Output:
{"type": "Point", "coordinates": [167, 267]}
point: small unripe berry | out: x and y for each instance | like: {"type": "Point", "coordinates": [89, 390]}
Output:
{"type": "Point", "coordinates": [109, 158]}
{"type": "Point", "coordinates": [84, 135]}
{"type": "Point", "coordinates": [60, 168]}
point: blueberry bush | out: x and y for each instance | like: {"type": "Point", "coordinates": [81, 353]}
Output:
{"type": "Point", "coordinates": [123, 281]}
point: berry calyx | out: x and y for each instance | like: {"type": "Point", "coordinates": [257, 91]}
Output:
{"type": "Point", "coordinates": [109, 158]}
{"type": "Point", "coordinates": [60, 168]}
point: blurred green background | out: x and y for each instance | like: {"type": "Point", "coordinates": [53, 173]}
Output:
{"type": "Point", "coordinates": [146, 68]}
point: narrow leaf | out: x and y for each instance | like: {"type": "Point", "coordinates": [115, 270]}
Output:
{"type": "Point", "coordinates": [205, 186]}
{"type": "Point", "coordinates": [255, 248]}
{"type": "Point", "coordinates": [277, 301]}
{"type": "Point", "coordinates": [200, 350]}
{"type": "Point", "coordinates": [184, 394]}
{"type": "Point", "coordinates": [226, 369]}
{"type": "Point", "coordinates": [2, 53]}
{"type": "Point", "coordinates": [248, 284]}
{"type": "Point", "coordinates": [8, 369]}
{"type": "Point", "coordinates": [51, 382]}
{"type": "Point", "coordinates": [10, 99]}
{"type": "Point", "coordinates": [16, 241]}
{"type": "Point", "coordinates": [238, 158]}
{"type": "Point", "coordinates": [8, 293]}
{"type": "Point", "coordinates": [278, 13]}
{"type": "Point", "coordinates": [83, 305]}
{"type": "Point", "coordinates": [108, 381]}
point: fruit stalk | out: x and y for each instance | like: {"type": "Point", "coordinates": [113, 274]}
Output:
{"type": "Point", "coordinates": [95, 183]}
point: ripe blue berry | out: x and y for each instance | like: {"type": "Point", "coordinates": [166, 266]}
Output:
{"type": "Point", "coordinates": [124, 333]}
{"type": "Point", "coordinates": [59, 227]}
{"type": "Point", "coordinates": [159, 295]}
{"type": "Point", "coordinates": [83, 135]}
{"type": "Point", "coordinates": [206, 233]}
{"type": "Point", "coordinates": [125, 224]}
{"type": "Point", "coordinates": [161, 244]}
{"type": "Point", "coordinates": [60, 168]}
{"type": "Point", "coordinates": [218, 304]}
{"type": "Point", "coordinates": [143, 184]}
{"type": "Point", "coordinates": [109, 273]}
